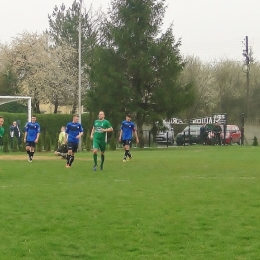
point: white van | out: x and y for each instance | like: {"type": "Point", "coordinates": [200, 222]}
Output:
{"type": "Point", "coordinates": [166, 134]}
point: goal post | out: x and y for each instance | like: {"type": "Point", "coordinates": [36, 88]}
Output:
{"type": "Point", "coordinates": [8, 99]}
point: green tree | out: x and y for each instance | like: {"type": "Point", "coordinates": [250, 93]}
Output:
{"type": "Point", "coordinates": [137, 67]}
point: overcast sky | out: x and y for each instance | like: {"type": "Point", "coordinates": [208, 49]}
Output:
{"type": "Point", "coordinates": [209, 29]}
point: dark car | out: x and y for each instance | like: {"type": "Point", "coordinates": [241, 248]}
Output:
{"type": "Point", "coordinates": [190, 134]}
{"type": "Point", "coordinates": [233, 135]}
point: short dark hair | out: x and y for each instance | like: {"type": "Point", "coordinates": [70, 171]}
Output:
{"type": "Point", "coordinates": [33, 115]}
{"type": "Point", "coordinates": [128, 115]}
{"type": "Point", "coordinates": [75, 115]}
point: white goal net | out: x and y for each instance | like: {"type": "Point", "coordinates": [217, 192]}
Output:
{"type": "Point", "coordinates": [8, 99]}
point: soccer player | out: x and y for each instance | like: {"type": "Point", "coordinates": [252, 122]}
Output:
{"type": "Point", "coordinates": [99, 133]}
{"type": "Point", "coordinates": [31, 137]}
{"type": "Point", "coordinates": [127, 129]}
{"type": "Point", "coordinates": [73, 132]}
{"type": "Point", "coordinates": [2, 130]}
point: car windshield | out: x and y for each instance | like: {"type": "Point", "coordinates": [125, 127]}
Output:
{"type": "Point", "coordinates": [192, 128]}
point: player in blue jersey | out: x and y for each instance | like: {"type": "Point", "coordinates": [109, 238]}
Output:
{"type": "Point", "coordinates": [31, 137]}
{"type": "Point", "coordinates": [73, 133]}
{"type": "Point", "coordinates": [126, 135]}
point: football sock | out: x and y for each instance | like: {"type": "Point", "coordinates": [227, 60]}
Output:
{"type": "Point", "coordinates": [31, 154]}
{"type": "Point", "coordinates": [71, 160]}
{"type": "Point", "coordinates": [126, 153]}
{"type": "Point", "coordinates": [68, 158]}
{"type": "Point", "coordinates": [28, 152]}
{"type": "Point", "coordinates": [95, 158]}
{"type": "Point", "coordinates": [102, 159]}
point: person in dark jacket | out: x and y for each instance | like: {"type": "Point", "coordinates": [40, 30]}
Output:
{"type": "Point", "coordinates": [204, 131]}
{"type": "Point", "coordinates": [217, 133]}
{"type": "Point", "coordinates": [15, 133]}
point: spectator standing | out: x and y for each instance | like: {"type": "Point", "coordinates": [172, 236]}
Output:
{"type": "Point", "coordinates": [15, 133]}
{"type": "Point", "coordinates": [2, 130]}
{"type": "Point", "coordinates": [217, 133]}
{"type": "Point", "coordinates": [204, 131]}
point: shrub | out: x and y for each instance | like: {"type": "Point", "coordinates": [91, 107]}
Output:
{"type": "Point", "coordinates": [255, 142]}
{"type": "Point", "coordinates": [47, 142]}
{"type": "Point", "coordinates": [39, 145]}
{"type": "Point", "coordinates": [6, 144]}
{"type": "Point", "coordinates": [88, 142]}
{"type": "Point", "coordinates": [14, 144]}
{"type": "Point", "coordinates": [112, 143]}
{"type": "Point", "coordinates": [22, 145]}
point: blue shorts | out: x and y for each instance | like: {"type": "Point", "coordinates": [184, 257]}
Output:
{"type": "Point", "coordinates": [73, 147]}
{"type": "Point", "coordinates": [31, 144]}
{"type": "Point", "coordinates": [127, 142]}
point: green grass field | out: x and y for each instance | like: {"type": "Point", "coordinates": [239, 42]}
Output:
{"type": "Point", "coordinates": [177, 203]}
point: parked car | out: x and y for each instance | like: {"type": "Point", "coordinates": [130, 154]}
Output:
{"type": "Point", "coordinates": [233, 135]}
{"type": "Point", "coordinates": [165, 135]}
{"type": "Point", "coordinates": [192, 135]}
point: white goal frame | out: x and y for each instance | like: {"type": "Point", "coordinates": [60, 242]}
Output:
{"type": "Point", "coordinates": [9, 99]}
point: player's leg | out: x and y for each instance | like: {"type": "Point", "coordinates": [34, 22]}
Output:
{"type": "Point", "coordinates": [28, 150]}
{"type": "Point", "coordinates": [102, 160]}
{"type": "Point", "coordinates": [71, 158]}
{"type": "Point", "coordinates": [125, 152]}
{"type": "Point", "coordinates": [32, 150]}
{"type": "Point", "coordinates": [74, 150]}
{"type": "Point", "coordinates": [129, 146]}
{"type": "Point", "coordinates": [102, 149]}
{"type": "Point", "coordinates": [70, 147]}
{"type": "Point", "coordinates": [95, 150]}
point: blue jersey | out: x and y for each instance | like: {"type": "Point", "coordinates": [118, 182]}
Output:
{"type": "Point", "coordinates": [127, 129]}
{"type": "Point", "coordinates": [32, 130]}
{"type": "Point", "coordinates": [73, 129]}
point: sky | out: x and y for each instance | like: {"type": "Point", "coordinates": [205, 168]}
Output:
{"type": "Point", "coordinates": [212, 30]}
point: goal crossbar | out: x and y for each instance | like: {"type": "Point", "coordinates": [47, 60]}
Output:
{"type": "Point", "coordinates": [8, 99]}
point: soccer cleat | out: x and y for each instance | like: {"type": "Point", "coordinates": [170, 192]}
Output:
{"type": "Point", "coordinates": [124, 160]}
{"type": "Point", "coordinates": [129, 158]}
{"type": "Point", "coordinates": [68, 166]}
{"type": "Point", "coordinates": [95, 167]}
{"type": "Point", "coordinates": [29, 160]}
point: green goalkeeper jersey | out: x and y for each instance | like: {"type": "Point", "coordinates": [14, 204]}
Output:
{"type": "Point", "coordinates": [2, 130]}
{"type": "Point", "coordinates": [98, 125]}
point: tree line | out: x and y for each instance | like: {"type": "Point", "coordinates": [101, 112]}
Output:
{"type": "Point", "coordinates": [129, 65]}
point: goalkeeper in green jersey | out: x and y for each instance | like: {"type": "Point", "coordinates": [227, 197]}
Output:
{"type": "Point", "coordinates": [99, 135]}
{"type": "Point", "coordinates": [2, 130]}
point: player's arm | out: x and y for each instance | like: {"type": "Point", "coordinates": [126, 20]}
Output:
{"type": "Point", "coordinates": [25, 136]}
{"type": "Point", "coordinates": [38, 134]}
{"type": "Point", "coordinates": [110, 129]}
{"type": "Point", "coordinates": [120, 135]}
{"type": "Point", "coordinates": [66, 138]}
{"type": "Point", "coordinates": [136, 136]}
{"type": "Point", "coordinates": [79, 135]}
{"type": "Point", "coordinates": [26, 133]}
{"type": "Point", "coordinates": [37, 138]}
{"type": "Point", "coordinates": [92, 132]}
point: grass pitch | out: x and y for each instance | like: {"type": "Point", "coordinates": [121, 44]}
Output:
{"type": "Point", "coordinates": [177, 203]}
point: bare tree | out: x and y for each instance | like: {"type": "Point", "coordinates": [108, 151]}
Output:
{"type": "Point", "coordinates": [45, 73]}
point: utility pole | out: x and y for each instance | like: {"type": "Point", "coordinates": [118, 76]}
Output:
{"type": "Point", "coordinates": [246, 69]}
{"type": "Point", "coordinates": [79, 75]}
